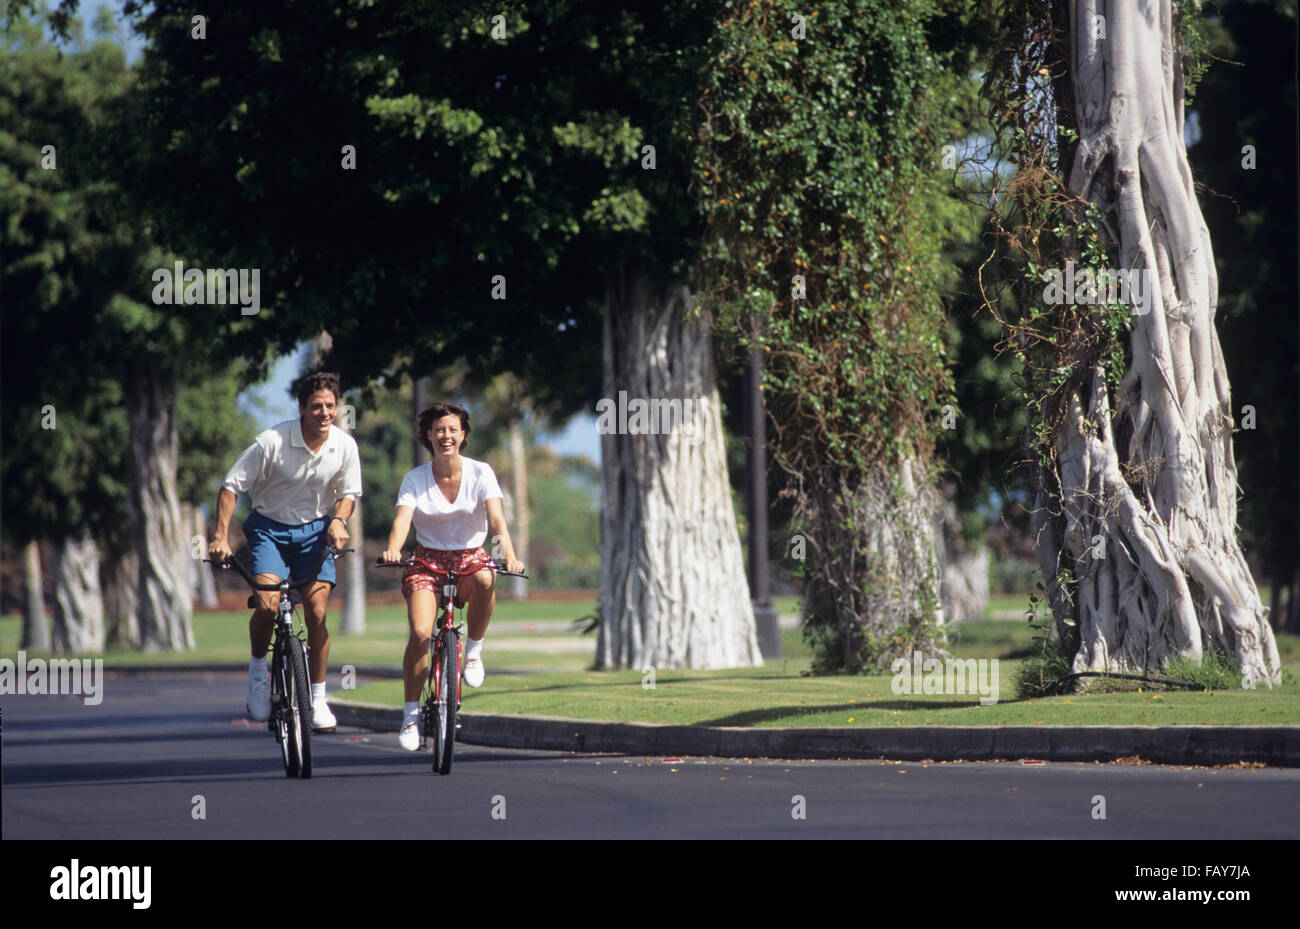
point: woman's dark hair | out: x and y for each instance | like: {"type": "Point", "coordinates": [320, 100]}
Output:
{"type": "Point", "coordinates": [321, 380]}
{"type": "Point", "coordinates": [434, 413]}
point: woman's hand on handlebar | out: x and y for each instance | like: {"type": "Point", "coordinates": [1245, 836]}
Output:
{"type": "Point", "coordinates": [391, 556]}
{"type": "Point", "coordinates": [514, 566]}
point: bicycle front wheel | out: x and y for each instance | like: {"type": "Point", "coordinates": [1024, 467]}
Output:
{"type": "Point", "coordinates": [281, 714]}
{"type": "Point", "coordinates": [299, 707]}
{"type": "Point", "coordinates": [444, 739]}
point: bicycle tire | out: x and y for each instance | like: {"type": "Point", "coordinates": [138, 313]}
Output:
{"type": "Point", "coordinates": [449, 676]}
{"type": "Point", "coordinates": [280, 715]}
{"type": "Point", "coordinates": [300, 707]}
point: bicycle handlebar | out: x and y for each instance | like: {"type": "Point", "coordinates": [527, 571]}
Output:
{"type": "Point", "coordinates": [498, 567]}
{"type": "Point", "coordinates": [328, 552]}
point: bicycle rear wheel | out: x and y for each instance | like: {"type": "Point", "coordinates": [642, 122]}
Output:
{"type": "Point", "coordinates": [299, 707]}
{"type": "Point", "coordinates": [444, 739]}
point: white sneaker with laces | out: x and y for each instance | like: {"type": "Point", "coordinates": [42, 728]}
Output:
{"type": "Point", "coordinates": [409, 737]}
{"type": "Point", "coordinates": [259, 695]}
{"type": "Point", "coordinates": [474, 670]}
{"type": "Point", "coordinates": [321, 716]}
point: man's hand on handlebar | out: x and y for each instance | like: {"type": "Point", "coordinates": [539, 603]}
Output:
{"type": "Point", "coordinates": [337, 533]}
{"type": "Point", "coordinates": [219, 550]}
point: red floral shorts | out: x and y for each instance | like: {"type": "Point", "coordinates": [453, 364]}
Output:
{"type": "Point", "coordinates": [418, 577]}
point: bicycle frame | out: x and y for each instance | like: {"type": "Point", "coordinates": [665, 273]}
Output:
{"type": "Point", "coordinates": [446, 621]}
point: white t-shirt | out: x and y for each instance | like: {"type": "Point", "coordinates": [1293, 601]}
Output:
{"type": "Point", "coordinates": [287, 482]}
{"type": "Point", "coordinates": [450, 526]}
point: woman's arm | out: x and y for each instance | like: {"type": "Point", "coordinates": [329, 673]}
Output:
{"type": "Point", "coordinates": [501, 535]}
{"type": "Point", "coordinates": [397, 537]}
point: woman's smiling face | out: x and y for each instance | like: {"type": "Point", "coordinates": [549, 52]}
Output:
{"type": "Point", "coordinates": [446, 436]}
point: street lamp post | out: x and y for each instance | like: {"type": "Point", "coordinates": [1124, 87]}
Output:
{"type": "Point", "coordinates": [760, 580]}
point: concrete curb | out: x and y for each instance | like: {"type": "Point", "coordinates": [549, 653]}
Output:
{"type": "Point", "coordinates": [1176, 745]}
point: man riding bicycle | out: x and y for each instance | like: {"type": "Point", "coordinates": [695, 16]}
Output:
{"type": "Point", "coordinates": [293, 474]}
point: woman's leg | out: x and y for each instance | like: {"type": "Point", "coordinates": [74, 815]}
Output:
{"type": "Point", "coordinates": [421, 607]}
{"type": "Point", "coordinates": [479, 593]}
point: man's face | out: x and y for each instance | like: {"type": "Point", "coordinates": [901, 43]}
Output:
{"type": "Point", "coordinates": [319, 410]}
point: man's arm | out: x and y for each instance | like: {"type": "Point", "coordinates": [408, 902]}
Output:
{"type": "Point", "coordinates": [346, 487]}
{"type": "Point", "coordinates": [338, 525]}
{"type": "Point", "coordinates": [219, 549]}
{"type": "Point", "coordinates": [241, 478]}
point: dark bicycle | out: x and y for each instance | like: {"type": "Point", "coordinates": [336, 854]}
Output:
{"type": "Point", "coordinates": [290, 719]}
{"type": "Point", "coordinates": [441, 698]}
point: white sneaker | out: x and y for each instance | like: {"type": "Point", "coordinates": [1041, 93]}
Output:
{"type": "Point", "coordinates": [474, 671]}
{"type": "Point", "coordinates": [259, 696]}
{"type": "Point", "coordinates": [409, 737]}
{"type": "Point", "coordinates": [321, 716]}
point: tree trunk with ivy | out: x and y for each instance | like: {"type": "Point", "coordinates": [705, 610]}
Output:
{"type": "Point", "coordinates": [818, 168]}
{"type": "Point", "coordinates": [1135, 522]}
{"type": "Point", "coordinates": [673, 592]}
{"type": "Point", "coordinates": [872, 593]}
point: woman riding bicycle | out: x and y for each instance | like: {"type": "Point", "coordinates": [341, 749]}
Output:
{"type": "Point", "coordinates": [453, 502]}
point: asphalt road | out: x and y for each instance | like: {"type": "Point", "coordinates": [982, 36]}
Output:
{"type": "Point", "coordinates": [163, 748]}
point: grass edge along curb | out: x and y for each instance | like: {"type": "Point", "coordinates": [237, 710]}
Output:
{"type": "Point", "coordinates": [1277, 746]}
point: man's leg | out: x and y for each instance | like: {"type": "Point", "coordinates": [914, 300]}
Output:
{"type": "Point", "coordinates": [267, 566]}
{"type": "Point", "coordinates": [259, 640]}
{"type": "Point", "coordinates": [263, 618]}
{"type": "Point", "coordinates": [315, 600]}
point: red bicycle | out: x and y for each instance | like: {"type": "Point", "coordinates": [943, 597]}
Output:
{"type": "Point", "coordinates": [441, 698]}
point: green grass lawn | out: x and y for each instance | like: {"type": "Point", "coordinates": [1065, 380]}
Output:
{"type": "Point", "coordinates": [531, 680]}
{"type": "Point", "coordinates": [223, 636]}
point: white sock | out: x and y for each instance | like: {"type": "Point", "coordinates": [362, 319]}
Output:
{"type": "Point", "coordinates": [472, 647]}
{"type": "Point", "coordinates": [317, 691]}
{"type": "Point", "coordinates": [412, 708]}
{"type": "Point", "coordinates": [257, 666]}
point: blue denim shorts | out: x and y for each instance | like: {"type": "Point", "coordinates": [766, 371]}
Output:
{"type": "Point", "coordinates": [288, 551]}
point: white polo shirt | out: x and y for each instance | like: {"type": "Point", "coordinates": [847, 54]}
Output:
{"type": "Point", "coordinates": [286, 483]}
{"type": "Point", "coordinates": [450, 526]}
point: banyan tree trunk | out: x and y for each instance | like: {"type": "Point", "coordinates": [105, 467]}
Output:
{"type": "Point", "coordinates": [965, 567]}
{"type": "Point", "coordinates": [876, 572]}
{"type": "Point", "coordinates": [78, 605]}
{"type": "Point", "coordinates": [517, 589]}
{"type": "Point", "coordinates": [1148, 499]}
{"type": "Point", "coordinates": [119, 579]}
{"type": "Point", "coordinates": [161, 541]}
{"type": "Point", "coordinates": [205, 587]}
{"type": "Point", "coordinates": [36, 626]}
{"type": "Point", "coordinates": [673, 592]}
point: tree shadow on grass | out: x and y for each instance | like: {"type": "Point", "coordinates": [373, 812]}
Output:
{"type": "Point", "coordinates": [636, 681]}
{"type": "Point", "coordinates": [771, 714]}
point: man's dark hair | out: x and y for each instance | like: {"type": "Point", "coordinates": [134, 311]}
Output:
{"type": "Point", "coordinates": [321, 380]}
{"type": "Point", "coordinates": [427, 418]}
